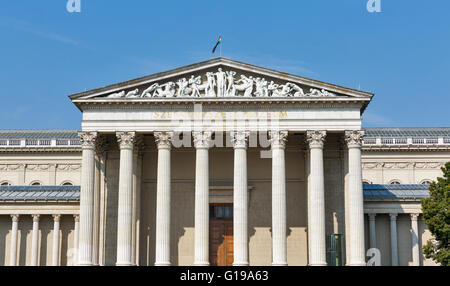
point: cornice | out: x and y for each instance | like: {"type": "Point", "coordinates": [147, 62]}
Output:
{"type": "Point", "coordinates": [45, 149]}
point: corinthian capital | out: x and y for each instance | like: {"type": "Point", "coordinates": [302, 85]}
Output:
{"type": "Point", "coordinates": [87, 139]}
{"type": "Point", "coordinates": [126, 139]}
{"type": "Point", "coordinates": [278, 139]}
{"type": "Point", "coordinates": [354, 138]}
{"type": "Point", "coordinates": [163, 139]}
{"type": "Point", "coordinates": [239, 138]}
{"type": "Point", "coordinates": [316, 138]}
{"type": "Point", "coordinates": [202, 139]}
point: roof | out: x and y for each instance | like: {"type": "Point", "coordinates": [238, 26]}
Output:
{"type": "Point", "coordinates": [369, 133]}
{"type": "Point", "coordinates": [38, 134]}
{"type": "Point", "coordinates": [408, 132]}
{"type": "Point", "coordinates": [33, 193]}
{"type": "Point", "coordinates": [374, 191]}
{"type": "Point", "coordinates": [61, 193]}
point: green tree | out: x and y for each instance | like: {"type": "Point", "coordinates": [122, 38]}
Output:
{"type": "Point", "coordinates": [436, 215]}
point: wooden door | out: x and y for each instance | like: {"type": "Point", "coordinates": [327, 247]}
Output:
{"type": "Point", "coordinates": [221, 235]}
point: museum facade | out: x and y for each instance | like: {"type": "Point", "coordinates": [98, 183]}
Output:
{"type": "Point", "coordinates": [218, 163]}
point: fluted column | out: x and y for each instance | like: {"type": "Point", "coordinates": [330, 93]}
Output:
{"type": "Point", "coordinates": [202, 142]}
{"type": "Point", "coordinates": [86, 235]}
{"type": "Point", "coordinates": [35, 241]}
{"type": "Point", "coordinates": [75, 238]}
{"type": "Point", "coordinates": [279, 249]}
{"type": "Point", "coordinates": [394, 245]}
{"type": "Point", "coordinates": [125, 208]}
{"type": "Point", "coordinates": [372, 231]}
{"type": "Point", "coordinates": [162, 255]}
{"type": "Point", "coordinates": [240, 198]}
{"type": "Point", "coordinates": [415, 239]}
{"type": "Point", "coordinates": [14, 232]}
{"type": "Point", "coordinates": [55, 249]}
{"type": "Point", "coordinates": [355, 199]}
{"type": "Point", "coordinates": [316, 200]}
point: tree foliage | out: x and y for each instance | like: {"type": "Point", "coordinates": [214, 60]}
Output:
{"type": "Point", "coordinates": [436, 214]}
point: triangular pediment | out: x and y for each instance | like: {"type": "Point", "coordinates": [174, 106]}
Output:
{"type": "Point", "coordinates": [216, 79]}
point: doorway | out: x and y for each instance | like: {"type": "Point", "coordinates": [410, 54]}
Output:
{"type": "Point", "coordinates": [221, 234]}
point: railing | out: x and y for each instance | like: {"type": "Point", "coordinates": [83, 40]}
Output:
{"type": "Point", "coordinates": [31, 143]}
{"type": "Point", "coordinates": [406, 141]}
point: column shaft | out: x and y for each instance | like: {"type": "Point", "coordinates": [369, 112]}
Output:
{"type": "Point", "coordinates": [372, 230]}
{"type": "Point", "coordinates": [279, 249]}
{"type": "Point", "coordinates": [415, 239]}
{"type": "Point", "coordinates": [125, 208]}
{"type": "Point", "coordinates": [394, 245]}
{"type": "Point", "coordinates": [240, 199]}
{"type": "Point", "coordinates": [202, 141]}
{"type": "Point", "coordinates": [55, 248]}
{"type": "Point", "coordinates": [86, 234]}
{"type": "Point", "coordinates": [355, 199]}
{"type": "Point", "coordinates": [162, 254]}
{"type": "Point", "coordinates": [35, 241]}
{"type": "Point", "coordinates": [316, 200]}
{"type": "Point", "coordinates": [14, 234]}
{"type": "Point", "coordinates": [75, 239]}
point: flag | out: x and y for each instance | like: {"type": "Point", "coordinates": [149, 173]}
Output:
{"type": "Point", "coordinates": [218, 43]}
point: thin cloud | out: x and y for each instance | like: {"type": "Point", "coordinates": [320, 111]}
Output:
{"type": "Point", "coordinates": [26, 27]}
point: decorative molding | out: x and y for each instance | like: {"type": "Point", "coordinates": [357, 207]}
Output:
{"type": "Point", "coordinates": [15, 217]}
{"type": "Point", "coordinates": [354, 138]}
{"type": "Point", "coordinates": [278, 139]}
{"type": "Point", "coordinates": [87, 139]}
{"type": "Point", "coordinates": [316, 138]}
{"type": "Point", "coordinates": [68, 167]}
{"type": "Point", "coordinates": [163, 139]}
{"type": "Point", "coordinates": [56, 217]}
{"type": "Point", "coordinates": [218, 85]}
{"type": "Point", "coordinates": [202, 139]}
{"type": "Point", "coordinates": [402, 165]}
{"type": "Point", "coordinates": [126, 139]}
{"type": "Point", "coordinates": [414, 217]}
{"type": "Point", "coordinates": [76, 218]}
{"type": "Point", "coordinates": [35, 217]}
{"type": "Point", "coordinates": [239, 139]}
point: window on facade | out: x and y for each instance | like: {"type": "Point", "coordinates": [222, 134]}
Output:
{"type": "Point", "coordinates": [67, 184]}
{"type": "Point", "coordinates": [426, 182]}
{"type": "Point", "coordinates": [36, 184]}
{"type": "Point", "coordinates": [395, 182]}
{"type": "Point", "coordinates": [5, 184]}
{"type": "Point", "coordinates": [224, 211]}
{"type": "Point", "coordinates": [366, 182]}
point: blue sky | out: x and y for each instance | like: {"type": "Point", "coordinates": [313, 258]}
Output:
{"type": "Point", "coordinates": [400, 54]}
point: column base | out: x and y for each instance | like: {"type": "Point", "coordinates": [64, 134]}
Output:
{"type": "Point", "coordinates": [201, 263]}
{"type": "Point", "coordinates": [85, 263]}
{"type": "Point", "coordinates": [240, 264]}
{"type": "Point", "coordinates": [124, 264]}
{"type": "Point", "coordinates": [279, 264]}
{"type": "Point", "coordinates": [163, 264]}
{"type": "Point", "coordinates": [318, 264]}
{"type": "Point", "coordinates": [357, 264]}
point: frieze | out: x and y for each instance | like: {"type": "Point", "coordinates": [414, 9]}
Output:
{"type": "Point", "coordinates": [221, 84]}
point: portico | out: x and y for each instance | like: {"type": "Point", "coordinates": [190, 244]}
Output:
{"type": "Point", "coordinates": [265, 133]}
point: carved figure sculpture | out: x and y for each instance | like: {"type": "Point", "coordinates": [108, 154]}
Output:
{"type": "Point", "coordinates": [117, 94]}
{"type": "Point", "coordinates": [272, 87]}
{"type": "Point", "coordinates": [183, 89]}
{"type": "Point", "coordinates": [196, 83]}
{"type": "Point", "coordinates": [298, 91]}
{"type": "Point", "coordinates": [221, 83]}
{"type": "Point", "coordinates": [231, 89]}
{"type": "Point", "coordinates": [133, 93]}
{"type": "Point", "coordinates": [211, 82]}
{"type": "Point", "coordinates": [166, 90]}
{"type": "Point", "coordinates": [285, 91]}
{"type": "Point", "coordinates": [149, 90]}
{"type": "Point", "coordinates": [246, 85]}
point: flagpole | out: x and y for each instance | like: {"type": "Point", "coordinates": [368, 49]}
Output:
{"type": "Point", "coordinates": [221, 43]}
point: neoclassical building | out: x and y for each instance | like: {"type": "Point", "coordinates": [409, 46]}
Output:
{"type": "Point", "coordinates": [218, 163]}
